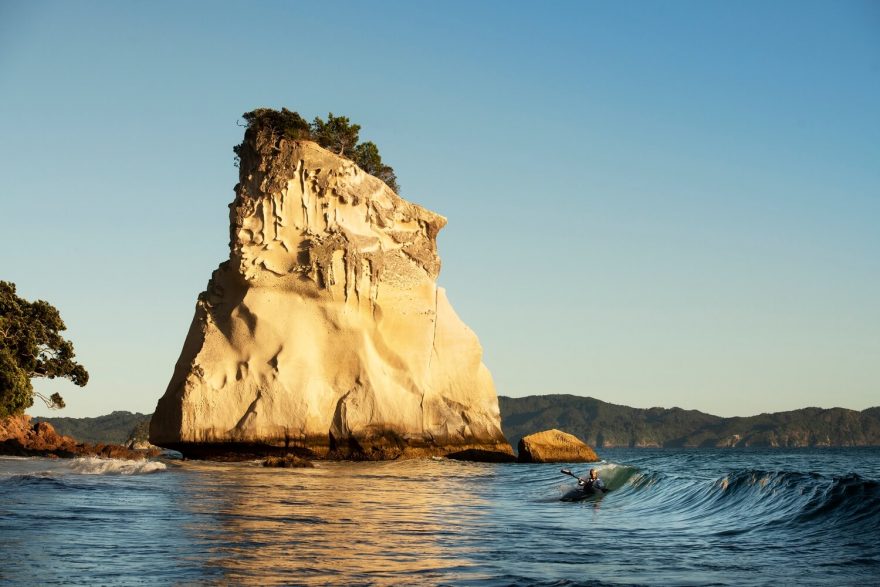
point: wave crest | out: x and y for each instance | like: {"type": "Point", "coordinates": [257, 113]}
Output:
{"type": "Point", "coordinates": [99, 466]}
{"type": "Point", "coordinates": [748, 499]}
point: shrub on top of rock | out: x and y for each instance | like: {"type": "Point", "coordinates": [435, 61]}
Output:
{"type": "Point", "coordinates": [336, 134]}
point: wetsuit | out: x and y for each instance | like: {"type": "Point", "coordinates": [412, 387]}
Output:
{"type": "Point", "coordinates": [594, 485]}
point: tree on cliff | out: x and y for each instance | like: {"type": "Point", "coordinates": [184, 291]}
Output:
{"type": "Point", "coordinates": [285, 123]}
{"type": "Point", "coordinates": [31, 346]}
{"type": "Point", "coordinates": [336, 134]}
{"type": "Point", "coordinates": [367, 157]}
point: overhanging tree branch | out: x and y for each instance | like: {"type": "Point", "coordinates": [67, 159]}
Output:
{"type": "Point", "coordinates": [31, 346]}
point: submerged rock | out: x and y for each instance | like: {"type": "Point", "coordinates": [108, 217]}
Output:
{"type": "Point", "coordinates": [288, 462]}
{"type": "Point", "coordinates": [325, 332]}
{"type": "Point", "coordinates": [554, 446]}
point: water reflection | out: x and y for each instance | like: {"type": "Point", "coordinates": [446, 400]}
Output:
{"type": "Point", "coordinates": [376, 523]}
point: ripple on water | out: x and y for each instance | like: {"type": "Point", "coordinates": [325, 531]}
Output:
{"type": "Point", "coordinates": [732, 518]}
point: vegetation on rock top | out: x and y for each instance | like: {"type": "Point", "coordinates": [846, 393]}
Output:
{"type": "Point", "coordinates": [336, 134]}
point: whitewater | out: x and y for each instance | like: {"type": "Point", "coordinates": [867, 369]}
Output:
{"type": "Point", "coordinates": [673, 517]}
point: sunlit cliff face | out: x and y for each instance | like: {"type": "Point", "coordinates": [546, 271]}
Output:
{"type": "Point", "coordinates": [325, 332]}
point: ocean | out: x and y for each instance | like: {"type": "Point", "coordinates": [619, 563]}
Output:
{"type": "Point", "coordinates": [672, 517]}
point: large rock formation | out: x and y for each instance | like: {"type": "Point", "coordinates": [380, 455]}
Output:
{"type": "Point", "coordinates": [325, 332]}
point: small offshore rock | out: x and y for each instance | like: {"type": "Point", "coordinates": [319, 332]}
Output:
{"type": "Point", "coordinates": [288, 462]}
{"type": "Point", "coordinates": [555, 446]}
{"type": "Point", "coordinates": [141, 445]}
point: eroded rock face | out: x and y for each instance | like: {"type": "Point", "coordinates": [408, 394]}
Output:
{"type": "Point", "coordinates": [21, 436]}
{"type": "Point", "coordinates": [325, 332]}
{"type": "Point", "coordinates": [554, 446]}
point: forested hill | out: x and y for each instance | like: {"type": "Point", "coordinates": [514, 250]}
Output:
{"type": "Point", "coordinates": [606, 425]}
{"type": "Point", "coordinates": [115, 428]}
{"type": "Point", "coordinates": [603, 425]}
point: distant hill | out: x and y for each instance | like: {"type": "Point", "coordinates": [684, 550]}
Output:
{"type": "Point", "coordinates": [606, 425]}
{"type": "Point", "coordinates": [602, 425]}
{"type": "Point", "coordinates": [113, 428]}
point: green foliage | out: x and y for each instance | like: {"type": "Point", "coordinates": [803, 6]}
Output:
{"type": "Point", "coordinates": [116, 428]}
{"type": "Point", "coordinates": [284, 124]}
{"type": "Point", "coordinates": [31, 346]}
{"type": "Point", "coordinates": [16, 393]}
{"type": "Point", "coordinates": [336, 134]}
{"type": "Point", "coordinates": [367, 157]}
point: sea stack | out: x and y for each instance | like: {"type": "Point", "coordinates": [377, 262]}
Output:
{"type": "Point", "coordinates": [325, 333]}
{"type": "Point", "coordinates": [554, 446]}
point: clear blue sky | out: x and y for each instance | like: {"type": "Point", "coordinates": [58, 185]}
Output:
{"type": "Point", "coordinates": [653, 203]}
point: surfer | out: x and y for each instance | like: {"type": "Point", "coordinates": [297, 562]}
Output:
{"type": "Point", "coordinates": [593, 484]}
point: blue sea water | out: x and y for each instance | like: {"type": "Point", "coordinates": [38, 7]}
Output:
{"type": "Point", "coordinates": [673, 517]}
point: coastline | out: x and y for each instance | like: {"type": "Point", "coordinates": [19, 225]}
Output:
{"type": "Point", "coordinates": [20, 436]}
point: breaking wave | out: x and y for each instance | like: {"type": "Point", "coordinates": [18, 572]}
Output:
{"type": "Point", "coordinates": [60, 472]}
{"type": "Point", "coordinates": [99, 466]}
{"type": "Point", "coordinates": [751, 500]}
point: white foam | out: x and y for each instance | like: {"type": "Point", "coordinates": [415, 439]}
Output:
{"type": "Point", "coordinates": [99, 466]}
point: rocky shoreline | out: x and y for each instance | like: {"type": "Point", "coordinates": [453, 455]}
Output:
{"type": "Point", "coordinates": [24, 437]}
{"type": "Point", "coordinates": [21, 437]}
